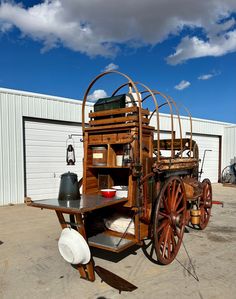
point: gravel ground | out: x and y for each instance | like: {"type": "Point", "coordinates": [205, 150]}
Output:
{"type": "Point", "coordinates": [31, 266]}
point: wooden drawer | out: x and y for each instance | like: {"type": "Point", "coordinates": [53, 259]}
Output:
{"type": "Point", "coordinates": [124, 137]}
{"type": "Point", "coordinates": [109, 138]}
{"type": "Point", "coordinates": [95, 139]}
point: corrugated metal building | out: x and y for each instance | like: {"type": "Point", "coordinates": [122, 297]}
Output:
{"type": "Point", "coordinates": [34, 129]}
{"type": "Point", "coordinates": [229, 156]}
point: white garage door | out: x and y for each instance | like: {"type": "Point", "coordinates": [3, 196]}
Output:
{"type": "Point", "coordinates": [211, 163]}
{"type": "Point", "coordinates": [45, 157]}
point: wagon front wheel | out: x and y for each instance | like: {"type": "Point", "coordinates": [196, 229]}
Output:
{"type": "Point", "coordinates": [205, 204]}
{"type": "Point", "coordinates": [169, 220]}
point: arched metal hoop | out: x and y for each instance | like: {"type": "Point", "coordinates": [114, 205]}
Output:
{"type": "Point", "coordinates": [156, 92]}
{"type": "Point", "coordinates": [151, 94]}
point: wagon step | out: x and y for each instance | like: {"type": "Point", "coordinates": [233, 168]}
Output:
{"type": "Point", "coordinates": [110, 243]}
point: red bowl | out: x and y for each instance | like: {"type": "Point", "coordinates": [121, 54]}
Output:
{"type": "Point", "coordinates": [108, 193]}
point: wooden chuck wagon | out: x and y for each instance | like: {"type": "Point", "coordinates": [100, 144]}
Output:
{"type": "Point", "coordinates": [162, 192]}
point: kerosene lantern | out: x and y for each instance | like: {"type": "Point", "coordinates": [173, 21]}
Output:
{"type": "Point", "coordinates": [127, 159]}
{"type": "Point", "coordinates": [70, 153]}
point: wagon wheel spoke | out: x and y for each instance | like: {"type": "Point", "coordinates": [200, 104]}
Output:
{"type": "Point", "coordinates": [162, 225]}
{"type": "Point", "coordinates": [149, 250]}
{"type": "Point", "coordinates": [167, 200]}
{"type": "Point", "coordinates": [165, 215]}
{"type": "Point", "coordinates": [179, 201]}
{"type": "Point", "coordinates": [166, 204]}
{"type": "Point", "coordinates": [173, 190]}
{"type": "Point", "coordinates": [165, 242]}
{"type": "Point", "coordinates": [173, 240]}
{"type": "Point", "coordinates": [177, 233]}
{"type": "Point", "coordinates": [175, 198]}
{"type": "Point", "coordinates": [180, 210]}
{"type": "Point", "coordinates": [169, 220]}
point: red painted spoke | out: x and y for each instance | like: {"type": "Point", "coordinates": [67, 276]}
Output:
{"type": "Point", "coordinates": [177, 232]}
{"type": "Point", "coordinates": [164, 215]}
{"type": "Point", "coordinates": [165, 241]}
{"type": "Point", "coordinates": [202, 217]}
{"type": "Point", "coordinates": [175, 197]}
{"type": "Point", "coordinates": [166, 207]}
{"type": "Point", "coordinates": [173, 240]}
{"type": "Point", "coordinates": [160, 240]}
{"type": "Point", "coordinates": [180, 210]}
{"type": "Point", "coordinates": [168, 191]}
{"type": "Point", "coordinates": [179, 201]}
{"type": "Point", "coordinates": [169, 198]}
{"type": "Point", "coordinates": [163, 224]}
{"type": "Point", "coordinates": [173, 190]}
{"type": "Point", "coordinates": [168, 247]}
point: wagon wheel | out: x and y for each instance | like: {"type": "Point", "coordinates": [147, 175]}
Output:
{"type": "Point", "coordinates": [227, 175]}
{"type": "Point", "coordinates": [205, 204]}
{"type": "Point", "coordinates": [169, 220]}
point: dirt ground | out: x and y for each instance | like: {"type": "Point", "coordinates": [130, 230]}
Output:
{"type": "Point", "coordinates": [31, 266]}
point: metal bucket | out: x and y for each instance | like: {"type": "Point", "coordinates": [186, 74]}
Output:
{"type": "Point", "coordinates": [69, 187]}
{"type": "Point", "coordinates": [195, 216]}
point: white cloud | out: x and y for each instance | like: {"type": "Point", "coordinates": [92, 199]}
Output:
{"type": "Point", "coordinates": [111, 66]}
{"type": "Point", "coordinates": [97, 94]}
{"type": "Point", "coordinates": [182, 85]}
{"type": "Point", "coordinates": [194, 47]}
{"type": "Point", "coordinates": [101, 27]}
{"type": "Point", "coordinates": [209, 76]}
{"type": "Point", "coordinates": [205, 77]}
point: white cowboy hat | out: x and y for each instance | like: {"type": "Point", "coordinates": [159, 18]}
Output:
{"type": "Point", "coordinates": [73, 247]}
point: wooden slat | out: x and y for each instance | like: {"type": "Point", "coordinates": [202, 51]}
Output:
{"type": "Point", "coordinates": [177, 160]}
{"type": "Point", "coordinates": [112, 120]}
{"type": "Point", "coordinates": [176, 164]}
{"type": "Point", "coordinates": [117, 126]}
{"type": "Point", "coordinates": [165, 144]}
{"type": "Point", "coordinates": [117, 111]}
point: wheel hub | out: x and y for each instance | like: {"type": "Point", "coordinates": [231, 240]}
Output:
{"type": "Point", "coordinates": [175, 218]}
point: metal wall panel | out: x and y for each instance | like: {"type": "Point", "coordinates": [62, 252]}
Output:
{"type": "Point", "coordinates": [229, 153]}
{"type": "Point", "coordinates": [14, 106]}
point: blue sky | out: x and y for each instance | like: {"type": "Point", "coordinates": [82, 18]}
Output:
{"type": "Point", "coordinates": [179, 47]}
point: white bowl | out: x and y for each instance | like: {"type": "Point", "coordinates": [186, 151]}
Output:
{"type": "Point", "coordinates": [121, 191]}
{"type": "Point", "coordinates": [73, 247]}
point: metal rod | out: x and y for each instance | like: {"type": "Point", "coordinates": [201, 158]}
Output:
{"type": "Point", "coordinates": [203, 160]}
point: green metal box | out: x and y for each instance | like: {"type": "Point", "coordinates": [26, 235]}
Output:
{"type": "Point", "coordinates": [115, 102]}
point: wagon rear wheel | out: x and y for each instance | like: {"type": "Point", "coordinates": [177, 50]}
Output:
{"type": "Point", "coordinates": [169, 220]}
{"type": "Point", "coordinates": [205, 204]}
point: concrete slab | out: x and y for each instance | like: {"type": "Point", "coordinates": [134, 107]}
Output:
{"type": "Point", "coordinates": [31, 266]}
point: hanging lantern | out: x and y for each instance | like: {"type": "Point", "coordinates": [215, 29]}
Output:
{"type": "Point", "coordinates": [70, 154]}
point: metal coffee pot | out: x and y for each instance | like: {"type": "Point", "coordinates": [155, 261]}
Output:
{"type": "Point", "coordinates": [69, 187]}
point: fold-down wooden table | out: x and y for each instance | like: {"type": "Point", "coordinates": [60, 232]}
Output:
{"type": "Point", "coordinates": [87, 203]}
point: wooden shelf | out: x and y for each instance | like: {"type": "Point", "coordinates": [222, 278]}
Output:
{"type": "Point", "coordinates": [107, 142]}
{"type": "Point", "coordinates": [110, 243]}
{"type": "Point", "coordinates": [118, 167]}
